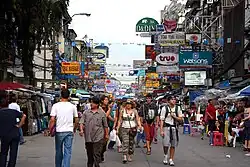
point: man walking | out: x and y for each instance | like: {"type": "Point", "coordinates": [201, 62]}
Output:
{"type": "Point", "coordinates": [148, 113]}
{"type": "Point", "coordinates": [170, 116]}
{"type": "Point", "coordinates": [62, 115]}
{"type": "Point", "coordinates": [13, 105]}
{"type": "Point", "coordinates": [10, 122]}
{"type": "Point", "coordinates": [94, 127]}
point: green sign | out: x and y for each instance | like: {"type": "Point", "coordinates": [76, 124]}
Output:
{"type": "Point", "coordinates": [146, 25]}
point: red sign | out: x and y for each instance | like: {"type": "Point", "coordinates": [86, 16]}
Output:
{"type": "Point", "coordinates": [170, 25]}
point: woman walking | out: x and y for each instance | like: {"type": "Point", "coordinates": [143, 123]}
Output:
{"type": "Point", "coordinates": [128, 121]}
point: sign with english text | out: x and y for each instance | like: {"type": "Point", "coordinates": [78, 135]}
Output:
{"type": "Point", "coordinates": [172, 39]}
{"type": "Point", "coordinates": [190, 59]}
{"type": "Point", "coordinates": [167, 59]}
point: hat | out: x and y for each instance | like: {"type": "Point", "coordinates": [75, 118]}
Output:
{"type": "Point", "coordinates": [129, 101]}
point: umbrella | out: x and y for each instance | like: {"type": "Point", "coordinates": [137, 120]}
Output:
{"type": "Point", "coordinates": [10, 85]}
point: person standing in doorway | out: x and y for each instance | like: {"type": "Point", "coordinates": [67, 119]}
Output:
{"type": "Point", "coordinates": [63, 115]}
{"type": "Point", "coordinates": [10, 122]}
{"type": "Point", "coordinates": [107, 109]}
{"type": "Point", "coordinates": [170, 116]}
{"type": "Point", "coordinates": [148, 114]}
{"type": "Point", "coordinates": [94, 127]}
{"type": "Point", "coordinates": [13, 105]}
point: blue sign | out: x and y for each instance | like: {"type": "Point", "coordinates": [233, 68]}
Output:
{"type": "Point", "coordinates": [190, 59]}
{"type": "Point", "coordinates": [102, 70]}
{"type": "Point", "coordinates": [160, 28]}
{"type": "Point", "coordinates": [60, 76]}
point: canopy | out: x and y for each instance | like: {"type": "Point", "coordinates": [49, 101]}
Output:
{"type": "Point", "coordinates": [10, 85]}
{"type": "Point", "coordinates": [79, 91]}
{"type": "Point", "coordinates": [245, 91]}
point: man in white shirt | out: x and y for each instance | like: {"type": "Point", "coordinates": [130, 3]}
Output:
{"type": "Point", "coordinates": [63, 115]}
{"type": "Point", "coordinates": [170, 116]}
{"type": "Point", "coordinates": [13, 105]}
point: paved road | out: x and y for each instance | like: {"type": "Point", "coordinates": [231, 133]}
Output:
{"type": "Point", "coordinates": [192, 152]}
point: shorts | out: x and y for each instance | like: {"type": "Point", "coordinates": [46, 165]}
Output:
{"type": "Point", "coordinates": [166, 139]}
{"type": "Point", "coordinates": [149, 130]}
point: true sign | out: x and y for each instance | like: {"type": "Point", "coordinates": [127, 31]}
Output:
{"type": "Point", "coordinates": [167, 58]}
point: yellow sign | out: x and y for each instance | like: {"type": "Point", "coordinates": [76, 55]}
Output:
{"type": "Point", "coordinates": [152, 84]}
{"type": "Point", "coordinates": [152, 76]}
{"type": "Point", "coordinates": [175, 42]}
{"type": "Point", "coordinates": [70, 68]}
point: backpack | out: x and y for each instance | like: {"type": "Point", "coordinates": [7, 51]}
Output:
{"type": "Point", "coordinates": [167, 110]}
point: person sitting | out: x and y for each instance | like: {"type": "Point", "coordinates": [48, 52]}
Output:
{"type": "Point", "coordinates": [218, 128]}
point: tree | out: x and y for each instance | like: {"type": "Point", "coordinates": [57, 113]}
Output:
{"type": "Point", "coordinates": [28, 24]}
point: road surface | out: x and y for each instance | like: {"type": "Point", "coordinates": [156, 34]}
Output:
{"type": "Point", "coordinates": [191, 152]}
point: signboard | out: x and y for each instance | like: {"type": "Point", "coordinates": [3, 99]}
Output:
{"type": "Point", "coordinates": [193, 38]}
{"type": "Point", "coordinates": [70, 68]}
{"type": "Point", "coordinates": [100, 58]}
{"type": "Point", "coordinates": [103, 47]}
{"type": "Point", "coordinates": [195, 78]}
{"type": "Point", "coordinates": [94, 67]}
{"type": "Point", "coordinates": [141, 64]}
{"type": "Point", "coordinates": [173, 39]}
{"type": "Point", "coordinates": [146, 25]}
{"type": "Point", "coordinates": [152, 76]}
{"type": "Point", "coordinates": [189, 59]}
{"type": "Point", "coordinates": [160, 28]}
{"type": "Point", "coordinates": [152, 84]}
{"type": "Point", "coordinates": [149, 50]}
{"type": "Point", "coordinates": [167, 59]}
{"type": "Point", "coordinates": [102, 70]}
{"type": "Point", "coordinates": [164, 69]}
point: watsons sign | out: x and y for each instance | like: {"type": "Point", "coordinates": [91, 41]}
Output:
{"type": "Point", "coordinates": [190, 59]}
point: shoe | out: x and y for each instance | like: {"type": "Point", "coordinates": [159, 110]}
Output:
{"type": "Point", "coordinates": [165, 160]}
{"type": "Point", "coordinates": [247, 154]}
{"type": "Point", "coordinates": [137, 146]}
{"type": "Point", "coordinates": [202, 138]}
{"type": "Point", "coordinates": [129, 158]}
{"type": "Point", "coordinates": [21, 143]}
{"type": "Point", "coordinates": [103, 159]}
{"type": "Point", "coordinates": [171, 162]}
{"type": "Point", "coordinates": [124, 159]}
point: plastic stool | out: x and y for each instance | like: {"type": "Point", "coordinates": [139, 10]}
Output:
{"type": "Point", "coordinates": [218, 139]}
{"type": "Point", "coordinates": [186, 129]}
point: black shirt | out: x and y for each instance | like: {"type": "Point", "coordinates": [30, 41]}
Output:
{"type": "Point", "coordinates": [8, 121]}
{"type": "Point", "coordinates": [148, 112]}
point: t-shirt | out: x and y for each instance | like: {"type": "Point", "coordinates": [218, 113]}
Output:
{"type": "Point", "coordinates": [65, 112]}
{"type": "Point", "coordinates": [149, 112]}
{"type": "Point", "coordinates": [168, 119]}
{"type": "Point", "coordinates": [8, 122]}
{"type": "Point", "coordinates": [212, 111]}
{"type": "Point", "coordinates": [14, 106]}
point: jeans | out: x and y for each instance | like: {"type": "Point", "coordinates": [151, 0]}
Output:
{"type": "Point", "coordinates": [9, 145]}
{"type": "Point", "coordinates": [21, 135]}
{"type": "Point", "coordinates": [140, 136]}
{"type": "Point", "coordinates": [211, 138]}
{"type": "Point", "coordinates": [63, 140]}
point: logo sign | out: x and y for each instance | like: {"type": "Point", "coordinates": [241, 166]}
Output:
{"type": "Point", "coordinates": [160, 28]}
{"type": "Point", "coordinates": [149, 49]}
{"type": "Point", "coordinates": [193, 38]}
{"type": "Point", "coordinates": [173, 39]}
{"type": "Point", "coordinates": [165, 69]}
{"type": "Point", "coordinates": [167, 58]}
{"type": "Point", "coordinates": [70, 68]}
{"type": "Point", "coordinates": [189, 59]}
{"type": "Point", "coordinates": [100, 56]}
{"type": "Point", "coordinates": [170, 25]}
{"type": "Point", "coordinates": [102, 70]}
{"type": "Point", "coordinates": [141, 64]}
{"type": "Point", "coordinates": [146, 25]}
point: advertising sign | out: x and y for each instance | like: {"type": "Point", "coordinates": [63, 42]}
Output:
{"type": "Point", "coordinates": [173, 39]}
{"type": "Point", "coordinates": [195, 38]}
{"type": "Point", "coordinates": [149, 50]}
{"type": "Point", "coordinates": [152, 76]}
{"type": "Point", "coordinates": [70, 68]}
{"type": "Point", "coordinates": [146, 25]}
{"type": "Point", "coordinates": [189, 59]}
{"type": "Point", "coordinates": [101, 58]}
{"type": "Point", "coordinates": [94, 67]}
{"type": "Point", "coordinates": [103, 47]}
{"type": "Point", "coordinates": [141, 64]}
{"type": "Point", "coordinates": [152, 84]}
{"type": "Point", "coordinates": [195, 78]}
{"type": "Point", "coordinates": [164, 69]}
{"type": "Point", "coordinates": [167, 59]}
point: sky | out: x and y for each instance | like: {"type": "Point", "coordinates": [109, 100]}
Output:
{"type": "Point", "coordinates": [113, 21]}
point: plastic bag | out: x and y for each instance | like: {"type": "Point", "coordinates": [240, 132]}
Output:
{"type": "Point", "coordinates": [118, 141]}
{"type": "Point", "coordinates": [112, 136]}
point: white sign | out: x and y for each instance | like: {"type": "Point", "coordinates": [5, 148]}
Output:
{"type": "Point", "coordinates": [167, 58]}
{"type": "Point", "coordinates": [195, 78]}
{"type": "Point", "coordinates": [141, 64]}
{"type": "Point", "coordinates": [173, 39]}
{"type": "Point", "coordinates": [160, 69]}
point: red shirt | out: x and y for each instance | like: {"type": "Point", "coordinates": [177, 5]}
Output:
{"type": "Point", "coordinates": [211, 111]}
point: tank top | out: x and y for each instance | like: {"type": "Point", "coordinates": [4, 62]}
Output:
{"type": "Point", "coordinates": [128, 120]}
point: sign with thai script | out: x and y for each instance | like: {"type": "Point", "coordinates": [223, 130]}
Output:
{"type": "Point", "coordinates": [70, 68]}
{"type": "Point", "coordinates": [173, 39]}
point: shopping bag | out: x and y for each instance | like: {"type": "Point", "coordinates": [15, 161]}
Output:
{"type": "Point", "coordinates": [118, 141]}
{"type": "Point", "coordinates": [112, 136]}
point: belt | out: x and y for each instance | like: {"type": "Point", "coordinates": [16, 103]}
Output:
{"type": "Point", "coordinates": [171, 131]}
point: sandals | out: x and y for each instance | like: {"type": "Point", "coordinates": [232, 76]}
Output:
{"type": "Point", "coordinates": [148, 152]}
{"type": "Point", "coordinates": [125, 160]}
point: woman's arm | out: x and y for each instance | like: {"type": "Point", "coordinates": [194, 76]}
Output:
{"type": "Point", "coordinates": [138, 119]}
{"type": "Point", "coordinates": [116, 118]}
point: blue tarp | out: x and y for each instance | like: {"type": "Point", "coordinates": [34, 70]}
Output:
{"type": "Point", "coordinates": [245, 91]}
{"type": "Point", "coordinates": [194, 94]}
{"type": "Point", "coordinates": [223, 84]}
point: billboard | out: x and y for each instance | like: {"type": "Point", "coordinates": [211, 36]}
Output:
{"type": "Point", "coordinates": [70, 68]}
{"type": "Point", "coordinates": [149, 51]}
{"type": "Point", "coordinates": [152, 84]}
{"type": "Point", "coordinates": [167, 59]}
{"type": "Point", "coordinates": [195, 78]}
{"type": "Point", "coordinates": [173, 39]}
{"type": "Point", "coordinates": [97, 59]}
{"type": "Point", "coordinates": [141, 64]}
{"type": "Point", "coordinates": [190, 59]}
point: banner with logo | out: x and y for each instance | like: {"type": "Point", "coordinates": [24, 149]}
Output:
{"type": "Point", "coordinates": [167, 59]}
{"type": "Point", "coordinates": [190, 59]}
{"type": "Point", "coordinates": [195, 78]}
{"type": "Point", "coordinates": [141, 64]}
{"type": "Point", "coordinates": [193, 38]}
{"type": "Point", "coordinates": [100, 59]}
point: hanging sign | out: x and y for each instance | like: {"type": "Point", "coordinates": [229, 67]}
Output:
{"type": "Point", "coordinates": [167, 58]}
{"type": "Point", "coordinates": [146, 25]}
{"type": "Point", "coordinates": [173, 39]}
{"type": "Point", "coordinates": [70, 68]}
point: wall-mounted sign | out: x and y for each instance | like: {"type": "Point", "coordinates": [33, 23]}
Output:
{"type": "Point", "coordinates": [149, 51]}
{"type": "Point", "coordinates": [173, 39]}
{"type": "Point", "coordinates": [193, 38]}
{"type": "Point", "coordinates": [152, 84]}
{"type": "Point", "coordinates": [165, 69]}
{"type": "Point", "coordinates": [189, 59]}
{"type": "Point", "coordinates": [160, 28]}
{"type": "Point", "coordinates": [170, 25]}
{"type": "Point", "coordinates": [167, 58]}
{"type": "Point", "coordinates": [141, 64]}
{"type": "Point", "coordinates": [146, 25]}
{"type": "Point", "coordinates": [70, 68]}
{"type": "Point", "coordinates": [94, 67]}
{"type": "Point", "coordinates": [100, 56]}
{"type": "Point", "coordinates": [195, 78]}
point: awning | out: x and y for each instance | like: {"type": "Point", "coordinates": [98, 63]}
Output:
{"type": "Point", "coordinates": [245, 91]}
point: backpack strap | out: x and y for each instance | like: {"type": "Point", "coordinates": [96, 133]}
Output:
{"type": "Point", "coordinates": [167, 111]}
{"type": "Point", "coordinates": [176, 110]}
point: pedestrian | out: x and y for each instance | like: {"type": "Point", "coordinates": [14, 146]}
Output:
{"type": "Point", "coordinates": [170, 116]}
{"type": "Point", "coordinates": [106, 107]}
{"type": "Point", "coordinates": [148, 113]}
{"type": "Point", "coordinates": [13, 105]}
{"type": "Point", "coordinates": [128, 121]}
{"type": "Point", "coordinates": [65, 117]}
{"type": "Point", "coordinates": [94, 127]}
{"type": "Point", "coordinates": [10, 122]}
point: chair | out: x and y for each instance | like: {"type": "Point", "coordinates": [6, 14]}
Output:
{"type": "Point", "coordinates": [218, 139]}
{"type": "Point", "coordinates": [194, 131]}
{"type": "Point", "coordinates": [186, 129]}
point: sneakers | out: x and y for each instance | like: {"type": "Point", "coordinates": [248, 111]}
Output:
{"type": "Point", "coordinates": [171, 162]}
{"type": "Point", "coordinates": [247, 154]}
{"type": "Point", "coordinates": [165, 160]}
